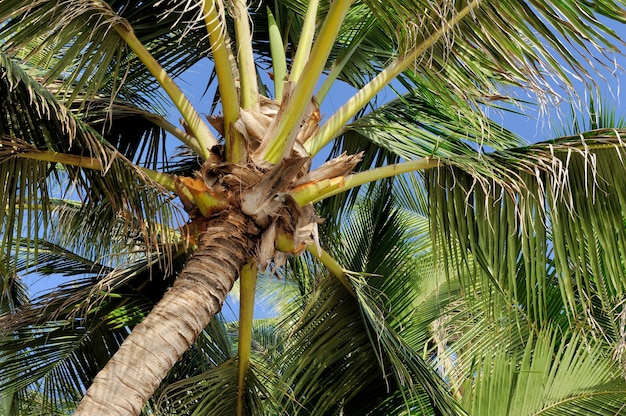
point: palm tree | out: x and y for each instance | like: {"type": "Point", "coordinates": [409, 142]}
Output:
{"type": "Point", "coordinates": [86, 171]}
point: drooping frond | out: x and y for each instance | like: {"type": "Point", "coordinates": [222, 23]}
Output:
{"type": "Point", "coordinates": [514, 40]}
{"type": "Point", "coordinates": [13, 292]}
{"type": "Point", "coordinates": [36, 130]}
{"type": "Point", "coordinates": [545, 216]}
{"type": "Point", "coordinates": [416, 125]}
{"type": "Point", "coordinates": [137, 134]}
{"type": "Point", "coordinates": [215, 392]}
{"type": "Point", "coordinates": [419, 124]}
{"type": "Point", "coordinates": [331, 361]}
{"type": "Point", "coordinates": [352, 354]}
{"type": "Point", "coordinates": [76, 41]}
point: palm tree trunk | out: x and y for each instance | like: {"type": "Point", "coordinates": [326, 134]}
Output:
{"type": "Point", "coordinates": [132, 375]}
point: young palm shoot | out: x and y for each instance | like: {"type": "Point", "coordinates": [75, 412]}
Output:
{"type": "Point", "coordinates": [226, 70]}
{"type": "Point", "coordinates": [279, 61]}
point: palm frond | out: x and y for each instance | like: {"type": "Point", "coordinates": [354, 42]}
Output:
{"type": "Point", "coordinates": [58, 342]}
{"type": "Point", "coordinates": [419, 124]}
{"type": "Point", "coordinates": [600, 113]}
{"type": "Point", "coordinates": [344, 350]}
{"type": "Point", "coordinates": [133, 132]}
{"type": "Point", "coordinates": [548, 214]}
{"type": "Point", "coordinates": [518, 36]}
{"type": "Point", "coordinates": [330, 361]}
{"type": "Point", "coordinates": [33, 121]}
{"type": "Point", "coordinates": [554, 374]}
{"type": "Point", "coordinates": [215, 392]}
{"type": "Point", "coordinates": [61, 355]}
{"type": "Point", "coordinates": [416, 125]}
{"type": "Point", "coordinates": [94, 59]}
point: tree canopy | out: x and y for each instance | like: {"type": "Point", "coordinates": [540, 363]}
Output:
{"type": "Point", "coordinates": [435, 264]}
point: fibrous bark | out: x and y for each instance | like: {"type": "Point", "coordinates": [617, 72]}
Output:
{"type": "Point", "coordinates": [136, 370]}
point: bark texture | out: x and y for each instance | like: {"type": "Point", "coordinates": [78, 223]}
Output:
{"type": "Point", "coordinates": [136, 370]}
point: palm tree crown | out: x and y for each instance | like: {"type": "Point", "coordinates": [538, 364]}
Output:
{"type": "Point", "coordinates": [435, 264]}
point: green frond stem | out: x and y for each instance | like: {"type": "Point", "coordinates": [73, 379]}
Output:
{"type": "Point", "coordinates": [235, 150]}
{"type": "Point", "coordinates": [337, 122]}
{"type": "Point", "coordinates": [62, 158]}
{"type": "Point", "coordinates": [247, 69]}
{"type": "Point", "coordinates": [334, 73]}
{"type": "Point", "coordinates": [316, 191]}
{"type": "Point", "coordinates": [285, 242]}
{"type": "Point", "coordinates": [181, 135]}
{"type": "Point", "coordinates": [200, 130]}
{"type": "Point", "coordinates": [279, 61]}
{"type": "Point", "coordinates": [166, 181]}
{"type": "Point", "coordinates": [163, 179]}
{"type": "Point", "coordinates": [306, 40]}
{"type": "Point", "coordinates": [332, 266]}
{"type": "Point", "coordinates": [284, 132]}
{"type": "Point", "coordinates": [223, 60]}
{"type": "Point", "coordinates": [247, 285]}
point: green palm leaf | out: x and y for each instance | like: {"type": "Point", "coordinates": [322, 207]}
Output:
{"type": "Point", "coordinates": [554, 374]}
{"type": "Point", "coordinates": [94, 57]}
{"type": "Point", "coordinates": [344, 350]}
{"type": "Point", "coordinates": [551, 205]}
{"type": "Point", "coordinates": [215, 392]}
{"type": "Point", "coordinates": [33, 124]}
{"type": "Point", "coordinates": [59, 341]}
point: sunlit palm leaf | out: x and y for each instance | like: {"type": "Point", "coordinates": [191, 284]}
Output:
{"type": "Point", "coordinates": [514, 39]}
{"type": "Point", "coordinates": [551, 205]}
{"type": "Point", "coordinates": [548, 377]}
{"type": "Point", "coordinates": [344, 350]}
{"type": "Point", "coordinates": [416, 125]}
{"type": "Point", "coordinates": [94, 58]}
{"type": "Point", "coordinates": [421, 125]}
{"type": "Point", "coordinates": [330, 359]}
{"type": "Point", "coordinates": [33, 121]}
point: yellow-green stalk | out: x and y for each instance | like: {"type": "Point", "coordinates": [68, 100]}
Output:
{"type": "Point", "coordinates": [196, 192]}
{"type": "Point", "coordinates": [247, 286]}
{"type": "Point", "coordinates": [335, 124]}
{"type": "Point", "coordinates": [199, 129]}
{"type": "Point", "coordinates": [306, 40]}
{"type": "Point", "coordinates": [332, 266]}
{"type": "Point", "coordinates": [279, 61]}
{"type": "Point", "coordinates": [223, 60]}
{"type": "Point", "coordinates": [285, 242]}
{"type": "Point", "coordinates": [284, 132]}
{"type": "Point", "coordinates": [181, 135]}
{"type": "Point", "coordinates": [163, 179]}
{"type": "Point", "coordinates": [338, 67]}
{"type": "Point", "coordinates": [333, 75]}
{"type": "Point", "coordinates": [249, 91]}
{"type": "Point", "coordinates": [62, 158]}
{"type": "Point", "coordinates": [314, 192]}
